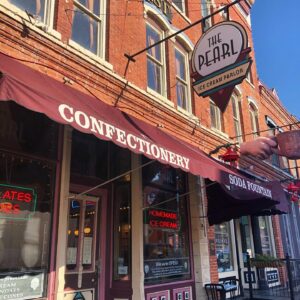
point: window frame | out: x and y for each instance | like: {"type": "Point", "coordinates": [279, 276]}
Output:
{"type": "Point", "coordinates": [236, 114]}
{"type": "Point", "coordinates": [216, 123]}
{"type": "Point", "coordinates": [101, 27]}
{"type": "Point", "coordinates": [162, 63]}
{"type": "Point", "coordinates": [253, 113]}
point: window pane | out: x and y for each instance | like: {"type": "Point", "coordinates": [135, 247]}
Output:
{"type": "Point", "coordinates": [35, 7]}
{"type": "Point", "coordinates": [181, 91]}
{"type": "Point", "coordinates": [85, 30]}
{"type": "Point", "coordinates": [179, 4]}
{"type": "Point", "coordinates": [152, 36]}
{"type": "Point", "coordinates": [154, 76]}
{"type": "Point", "coordinates": [224, 247]}
{"type": "Point", "coordinates": [91, 5]}
{"type": "Point", "coordinates": [73, 234]}
{"type": "Point", "coordinates": [213, 116]}
{"type": "Point", "coordinates": [265, 236]}
{"type": "Point", "coordinates": [245, 238]}
{"type": "Point", "coordinates": [89, 228]}
{"type": "Point", "coordinates": [180, 65]}
{"type": "Point", "coordinates": [166, 240]}
{"type": "Point", "coordinates": [26, 197]}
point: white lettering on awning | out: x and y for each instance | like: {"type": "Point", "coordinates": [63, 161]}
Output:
{"type": "Point", "coordinates": [120, 136]}
{"type": "Point", "coordinates": [250, 186]}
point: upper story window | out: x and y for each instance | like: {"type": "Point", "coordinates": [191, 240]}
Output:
{"type": "Point", "coordinates": [88, 25]}
{"type": "Point", "coordinates": [182, 79]}
{"type": "Point", "coordinates": [34, 7]}
{"type": "Point", "coordinates": [40, 10]}
{"type": "Point", "coordinates": [236, 112]}
{"type": "Point", "coordinates": [180, 4]}
{"type": "Point", "coordinates": [216, 117]}
{"type": "Point", "coordinates": [277, 161]}
{"type": "Point", "coordinates": [254, 119]}
{"type": "Point", "coordinates": [155, 60]}
{"type": "Point", "coordinates": [206, 7]}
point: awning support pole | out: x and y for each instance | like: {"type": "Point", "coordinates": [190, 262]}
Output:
{"type": "Point", "coordinates": [202, 21]}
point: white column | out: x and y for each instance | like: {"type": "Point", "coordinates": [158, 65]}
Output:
{"type": "Point", "coordinates": [137, 231]}
{"type": "Point", "coordinates": [63, 214]}
{"type": "Point", "coordinates": [199, 235]}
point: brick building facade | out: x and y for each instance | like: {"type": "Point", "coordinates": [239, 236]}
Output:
{"type": "Point", "coordinates": [88, 235]}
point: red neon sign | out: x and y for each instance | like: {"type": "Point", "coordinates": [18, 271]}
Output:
{"type": "Point", "coordinates": [16, 201]}
{"type": "Point", "coordinates": [163, 219]}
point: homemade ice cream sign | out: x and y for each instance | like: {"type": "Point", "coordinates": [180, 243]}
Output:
{"type": "Point", "coordinates": [220, 61]}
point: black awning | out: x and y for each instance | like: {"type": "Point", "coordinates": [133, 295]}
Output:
{"type": "Point", "coordinates": [225, 202]}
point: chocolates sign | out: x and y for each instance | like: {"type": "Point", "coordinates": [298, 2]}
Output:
{"type": "Point", "coordinates": [16, 202]}
{"type": "Point", "coordinates": [220, 61]}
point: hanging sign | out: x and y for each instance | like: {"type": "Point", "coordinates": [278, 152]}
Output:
{"type": "Point", "coordinates": [220, 61]}
{"type": "Point", "coordinates": [16, 202]}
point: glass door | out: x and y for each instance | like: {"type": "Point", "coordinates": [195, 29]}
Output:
{"type": "Point", "coordinates": [83, 253]}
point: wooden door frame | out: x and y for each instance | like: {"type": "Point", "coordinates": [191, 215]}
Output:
{"type": "Point", "coordinates": [103, 195]}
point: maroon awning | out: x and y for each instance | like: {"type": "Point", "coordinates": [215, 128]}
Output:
{"type": "Point", "coordinates": [66, 105]}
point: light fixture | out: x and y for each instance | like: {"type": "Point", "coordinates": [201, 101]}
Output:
{"type": "Point", "coordinates": [231, 155]}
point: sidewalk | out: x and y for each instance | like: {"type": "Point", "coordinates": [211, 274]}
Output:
{"type": "Point", "coordinates": [264, 295]}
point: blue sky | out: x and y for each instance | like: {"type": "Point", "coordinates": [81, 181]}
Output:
{"type": "Point", "coordinates": [276, 35]}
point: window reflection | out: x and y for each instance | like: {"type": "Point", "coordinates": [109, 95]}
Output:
{"type": "Point", "coordinates": [81, 234]}
{"type": "Point", "coordinates": [154, 60]}
{"type": "Point", "coordinates": [35, 7]}
{"type": "Point", "coordinates": [223, 247]}
{"type": "Point", "coordinates": [24, 226]}
{"type": "Point", "coordinates": [86, 23]}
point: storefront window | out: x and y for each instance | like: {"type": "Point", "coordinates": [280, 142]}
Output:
{"type": "Point", "coordinates": [166, 239]}
{"type": "Point", "coordinates": [27, 177]}
{"type": "Point", "coordinates": [245, 238]}
{"type": "Point", "coordinates": [265, 237]}
{"type": "Point", "coordinates": [223, 247]}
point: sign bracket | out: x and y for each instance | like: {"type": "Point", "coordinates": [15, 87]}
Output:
{"type": "Point", "coordinates": [202, 21]}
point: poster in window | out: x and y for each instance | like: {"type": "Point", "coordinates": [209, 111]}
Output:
{"type": "Point", "coordinates": [71, 255]}
{"type": "Point", "coordinates": [87, 250]}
